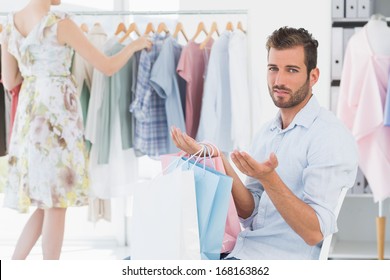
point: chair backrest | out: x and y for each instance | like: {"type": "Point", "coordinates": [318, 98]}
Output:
{"type": "Point", "coordinates": [325, 248]}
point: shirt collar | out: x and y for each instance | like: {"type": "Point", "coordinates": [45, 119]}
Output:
{"type": "Point", "coordinates": [305, 116]}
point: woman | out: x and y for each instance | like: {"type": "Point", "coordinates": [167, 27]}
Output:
{"type": "Point", "coordinates": [47, 161]}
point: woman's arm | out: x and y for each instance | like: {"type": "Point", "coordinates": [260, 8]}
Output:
{"type": "Point", "coordinates": [69, 33]}
{"type": "Point", "coordinates": [10, 75]}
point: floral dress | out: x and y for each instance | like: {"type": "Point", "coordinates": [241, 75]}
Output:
{"type": "Point", "coordinates": [47, 158]}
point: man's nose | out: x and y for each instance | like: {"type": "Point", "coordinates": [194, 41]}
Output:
{"type": "Point", "coordinates": [279, 79]}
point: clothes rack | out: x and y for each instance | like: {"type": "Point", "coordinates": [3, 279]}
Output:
{"type": "Point", "coordinates": [153, 13]}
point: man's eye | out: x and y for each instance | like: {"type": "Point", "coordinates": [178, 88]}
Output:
{"type": "Point", "coordinates": [293, 70]}
{"type": "Point", "coordinates": [272, 69]}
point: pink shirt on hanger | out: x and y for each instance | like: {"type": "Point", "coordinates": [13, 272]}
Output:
{"type": "Point", "coordinates": [192, 68]}
{"type": "Point", "coordinates": [361, 103]}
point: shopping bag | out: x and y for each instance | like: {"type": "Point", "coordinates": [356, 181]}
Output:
{"type": "Point", "coordinates": [213, 191]}
{"type": "Point", "coordinates": [232, 228]}
{"type": "Point", "coordinates": [164, 223]}
{"type": "Point", "coordinates": [233, 225]}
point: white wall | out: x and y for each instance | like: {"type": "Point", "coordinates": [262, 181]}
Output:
{"type": "Point", "coordinates": [263, 18]}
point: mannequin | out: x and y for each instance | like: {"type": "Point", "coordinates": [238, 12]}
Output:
{"type": "Point", "coordinates": [377, 30]}
{"type": "Point", "coordinates": [377, 34]}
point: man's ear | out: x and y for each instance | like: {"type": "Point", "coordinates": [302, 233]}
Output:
{"type": "Point", "coordinates": [314, 75]}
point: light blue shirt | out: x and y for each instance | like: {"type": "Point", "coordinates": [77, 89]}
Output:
{"type": "Point", "coordinates": [165, 81]}
{"type": "Point", "coordinates": [317, 157]}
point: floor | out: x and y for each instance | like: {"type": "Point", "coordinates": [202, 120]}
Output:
{"type": "Point", "coordinates": [83, 240]}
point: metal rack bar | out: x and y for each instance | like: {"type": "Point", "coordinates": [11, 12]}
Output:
{"type": "Point", "coordinates": [151, 13]}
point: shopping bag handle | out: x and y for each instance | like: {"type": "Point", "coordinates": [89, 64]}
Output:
{"type": "Point", "coordinates": [198, 156]}
{"type": "Point", "coordinates": [180, 156]}
{"type": "Point", "coordinates": [205, 151]}
{"type": "Point", "coordinates": [212, 146]}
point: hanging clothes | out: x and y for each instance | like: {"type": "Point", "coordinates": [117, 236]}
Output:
{"type": "Point", "coordinates": [151, 129]}
{"type": "Point", "coordinates": [215, 119]}
{"type": "Point", "coordinates": [83, 71]}
{"type": "Point", "coordinates": [170, 86]}
{"type": "Point", "coordinates": [135, 63]}
{"type": "Point", "coordinates": [14, 105]}
{"type": "Point", "coordinates": [239, 91]}
{"type": "Point", "coordinates": [361, 103]}
{"type": "Point", "coordinates": [113, 165]}
{"type": "Point", "coordinates": [8, 102]}
{"type": "Point", "coordinates": [3, 125]}
{"type": "Point", "coordinates": [386, 118]}
{"type": "Point", "coordinates": [117, 96]}
{"type": "Point", "coordinates": [96, 98]}
{"type": "Point", "coordinates": [192, 68]}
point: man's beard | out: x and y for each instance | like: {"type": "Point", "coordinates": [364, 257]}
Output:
{"type": "Point", "coordinates": [295, 98]}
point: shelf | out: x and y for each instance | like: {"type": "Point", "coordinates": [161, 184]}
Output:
{"type": "Point", "coordinates": [352, 22]}
{"type": "Point", "coordinates": [349, 22]}
{"type": "Point", "coordinates": [361, 195]}
{"type": "Point", "coordinates": [364, 250]}
{"type": "Point", "coordinates": [335, 83]}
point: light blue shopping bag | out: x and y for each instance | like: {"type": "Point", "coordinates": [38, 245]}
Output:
{"type": "Point", "coordinates": [213, 190]}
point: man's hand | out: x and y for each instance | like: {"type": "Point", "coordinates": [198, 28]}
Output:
{"type": "Point", "coordinates": [190, 146]}
{"type": "Point", "coordinates": [250, 167]}
{"type": "Point", "coordinates": [185, 142]}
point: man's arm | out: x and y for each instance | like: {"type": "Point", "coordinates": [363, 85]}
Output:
{"type": "Point", "coordinates": [298, 215]}
{"type": "Point", "coordinates": [243, 198]}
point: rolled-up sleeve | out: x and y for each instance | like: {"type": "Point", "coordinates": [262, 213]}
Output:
{"type": "Point", "coordinates": [257, 190]}
{"type": "Point", "coordinates": [332, 166]}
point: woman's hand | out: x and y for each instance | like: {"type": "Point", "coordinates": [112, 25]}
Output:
{"type": "Point", "coordinates": [142, 42]}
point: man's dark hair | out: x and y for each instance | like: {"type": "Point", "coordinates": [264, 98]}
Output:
{"type": "Point", "coordinates": [288, 37]}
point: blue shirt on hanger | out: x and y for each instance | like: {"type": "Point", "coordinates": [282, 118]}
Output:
{"type": "Point", "coordinates": [166, 82]}
{"type": "Point", "coordinates": [151, 128]}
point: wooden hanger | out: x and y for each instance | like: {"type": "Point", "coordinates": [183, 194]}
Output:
{"type": "Point", "coordinates": [162, 27]}
{"type": "Point", "coordinates": [229, 26]}
{"type": "Point", "coordinates": [120, 28]}
{"type": "Point", "coordinates": [201, 28]}
{"type": "Point", "coordinates": [132, 28]}
{"type": "Point", "coordinates": [97, 24]}
{"type": "Point", "coordinates": [84, 27]}
{"type": "Point", "coordinates": [239, 26]}
{"type": "Point", "coordinates": [213, 29]}
{"type": "Point", "coordinates": [149, 28]}
{"type": "Point", "coordinates": [1, 28]}
{"type": "Point", "coordinates": [179, 28]}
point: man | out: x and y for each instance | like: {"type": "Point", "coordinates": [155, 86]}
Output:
{"type": "Point", "coordinates": [301, 160]}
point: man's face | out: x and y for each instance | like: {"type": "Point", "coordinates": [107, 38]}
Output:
{"type": "Point", "coordinates": [288, 83]}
